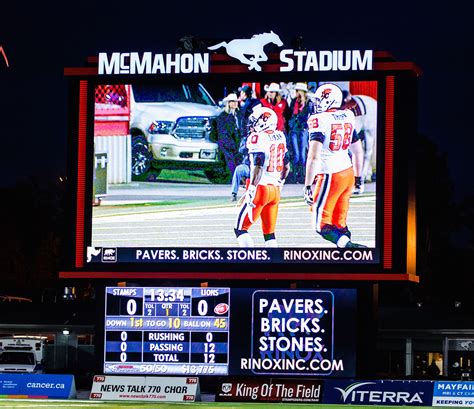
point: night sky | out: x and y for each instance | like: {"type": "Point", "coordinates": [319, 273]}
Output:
{"type": "Point", "coordinates": [41, 40]}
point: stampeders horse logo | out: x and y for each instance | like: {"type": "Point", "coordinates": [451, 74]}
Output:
{"type": "Point", "coordinates": [2, 52]}
{"type": "Point", "coordinates": [250, 50]}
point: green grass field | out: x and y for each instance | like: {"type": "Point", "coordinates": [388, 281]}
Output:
{"type": "Point", "coordinates": [29, 403]}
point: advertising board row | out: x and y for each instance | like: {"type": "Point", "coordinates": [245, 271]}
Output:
{"type": "Point", "coordinates": [288, 390]}
{"type": "Point", "coordinates": [353, 392]}
{"type": "Point", "coordinates": [239, 389]}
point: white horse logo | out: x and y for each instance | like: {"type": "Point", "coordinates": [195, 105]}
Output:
{"type": "Point", "coordinates": [253, 47]}
{"type": "Point", "coordinates": [92, 251]}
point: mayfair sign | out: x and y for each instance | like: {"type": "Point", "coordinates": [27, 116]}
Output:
{"type": "Point", "coordinates": [248, 51]}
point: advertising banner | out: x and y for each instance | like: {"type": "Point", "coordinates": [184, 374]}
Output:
{"type": "Point", "coordinates": [37, 386]}
{"type": "Point", "coordinates": [157, 389]}
{"type": "Point", "coordinates": [453, 394]}
{"type": "Point", "coordinates": [308, 333]}
{"type": "Point", "coordinates": [270, 390]}
{"type": "Point", "coordinates": [238, 332]}
{"type": "Point", "coordinates": [378, 392]}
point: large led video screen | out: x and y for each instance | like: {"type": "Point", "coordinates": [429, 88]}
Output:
{"type": "Point", "coordinates": [224, 331]}
{"type": "Point", "coordinates": [169, 176]}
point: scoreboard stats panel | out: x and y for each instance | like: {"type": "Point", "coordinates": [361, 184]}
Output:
{"type": "Point", "coordinates": [173, 331]}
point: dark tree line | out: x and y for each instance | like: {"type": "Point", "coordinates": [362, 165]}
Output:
{"type": "Point", "coordinates": [31, 241]}
{"type": "Point", "coordinates": [445, 236]}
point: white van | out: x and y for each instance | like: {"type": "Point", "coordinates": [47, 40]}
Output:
{"type": "Point", "coordinates": [22, 354]}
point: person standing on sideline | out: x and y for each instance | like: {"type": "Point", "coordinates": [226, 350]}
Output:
{"type": "Point", "coordinates": [269, 166]}
{"type": "Point", "coordinates": [247, 103]}
{"type": "Point", "coordinates": [242, 171]}
{"type": "Point", "coordinates": [227, 131]}
{"type": "Point", "coordinates": [364, 108]}
{"type": "Point", "coordinates": [301, 107]}
{"type": "Point", "coordinates": [329, 178]}
{"type": "Point", "coordinates": [274, 100]}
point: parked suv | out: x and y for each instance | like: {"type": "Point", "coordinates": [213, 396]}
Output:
{"type": "Point", "coordinates": [170, 126]}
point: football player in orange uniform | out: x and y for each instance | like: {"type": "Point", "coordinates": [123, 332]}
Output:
{"type": "Point", "coordinates": [329, 179]}
{"type": "Point", "coordinates": [269, 165]}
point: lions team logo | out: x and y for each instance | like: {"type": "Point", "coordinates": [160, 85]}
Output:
{"type": "Point", "coordinates": [264, 117]}
{"type": "Point", "coordinates": [326, 93]}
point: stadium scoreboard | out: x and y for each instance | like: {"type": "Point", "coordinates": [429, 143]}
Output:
{"type": "Point", "coordinates": [188, 331]}
{"type": "Point", "coordinates": [122, 124]}
{"type": "Point", "coordinates": [174, 331]}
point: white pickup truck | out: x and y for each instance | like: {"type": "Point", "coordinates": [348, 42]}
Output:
{"type": "Point", "coordinates": [170, 126]}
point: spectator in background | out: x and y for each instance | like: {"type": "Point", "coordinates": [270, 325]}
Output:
{"type": "Point", "coordinates": [455, 372]}
{"type": "Point", "coordinates": [301, 107]}
{"type": "Point", "coordinates": [274, 100]}
{"type": "Point", "coordinates": [365, 111]}
{"type": "Point", "coordinates": [288, 91]}
{"type": "Point", "coordinates": [242, 171]}
{"type": "Point", "coordinates": [227, 131]}
{"type": "Point", "coordinates": [247, 103]}
{"type": "Point", "coordinates": [433, 370]}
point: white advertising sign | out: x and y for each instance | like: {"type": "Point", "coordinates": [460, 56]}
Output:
{"type": "Point", "coordinates": [454, 394]}
{"type": "Point", "coordinates": [157, 389]}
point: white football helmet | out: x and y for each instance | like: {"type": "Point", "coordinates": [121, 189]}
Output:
{"type": "Point", "coordinates": [263, 119]}
{"type": "Point", "coordinates": [327, 96]}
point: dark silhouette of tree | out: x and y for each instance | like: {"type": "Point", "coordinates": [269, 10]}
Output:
{"type": "Point", "coordinates": [433, 199]}
{"type": "Point", "coordinates": [439, 266]}
{"type": "Point", "coordinates": [32, 234]}
{"type": "Point", "coordinates": [462, 235]}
